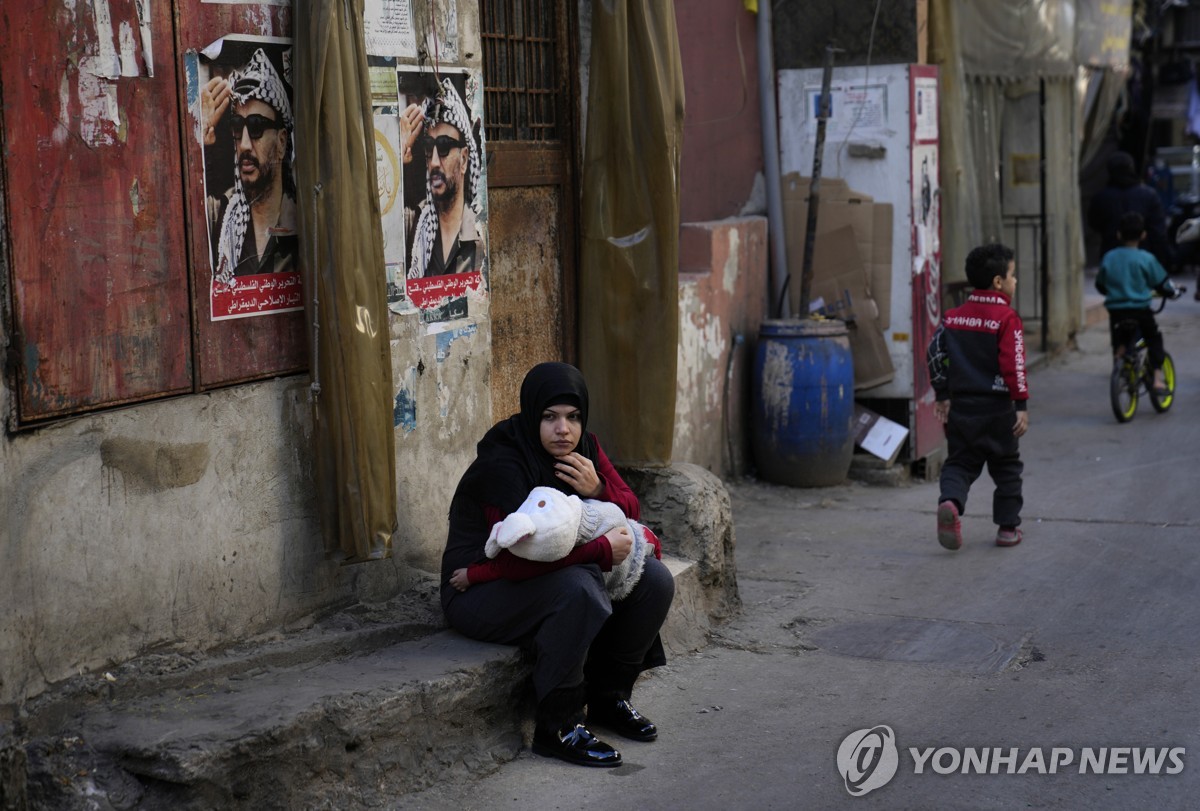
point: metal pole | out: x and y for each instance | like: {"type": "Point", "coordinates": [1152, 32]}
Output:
{"type": "Point", "coordinates": [814, 188]}
{"type": "Point", "coordinates": [1045, 280]}
{"type": "Point", "coordinates": [770, 146]}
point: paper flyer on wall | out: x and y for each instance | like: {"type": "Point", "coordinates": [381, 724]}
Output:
{"type": "Point", "coordinates": [388, 28]}
{"type": "Point", "coordinates": [853, 107]}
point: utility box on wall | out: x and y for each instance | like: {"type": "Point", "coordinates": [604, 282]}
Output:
{"type": "Point", "coordinates": [881, 140]}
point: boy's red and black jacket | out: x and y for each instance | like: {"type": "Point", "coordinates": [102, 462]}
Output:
{"type": "Point", "coordinates": [979, 348]}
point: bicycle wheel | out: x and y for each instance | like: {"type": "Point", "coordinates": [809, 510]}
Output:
{"type": "Point", "coordinates": [1162, 402]}
{"type": "Point", "coordinates": [1122, 390]}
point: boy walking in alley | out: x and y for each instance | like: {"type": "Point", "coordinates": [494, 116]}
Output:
{"type": "Point", "coordinates": [977, 369]}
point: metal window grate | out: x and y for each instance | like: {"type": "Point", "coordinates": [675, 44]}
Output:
{"type": "Point", "coordinates": [1023, 233]}
{"type": "Point", "coordinates": [520, 69]}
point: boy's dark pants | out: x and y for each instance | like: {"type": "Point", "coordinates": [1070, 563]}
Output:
{"type": "Point", "coordinates": [979, 431]}
{"type": "Point", "coordinates": [1148, 328]}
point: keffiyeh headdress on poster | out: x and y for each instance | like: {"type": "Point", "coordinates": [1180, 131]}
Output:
{"type": "Point", "coordinates": [257, 80]}
{"type": "Point", "coordinates": [445, 108]}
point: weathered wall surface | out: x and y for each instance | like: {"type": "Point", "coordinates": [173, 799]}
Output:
{"type": "Point", "coordinates": [722, 140]}
{"type": "Point", "coordinates": [189, 524]}
{"type": "Point", "coordinates": [446, 376]}
{"type": "Point", "coordinates": [722, 301]}
{"type": "Point", "coordinates": [181, 525]}
{"type": "Point", "coordinates": [442, 370]}
{"type": "Point", "coordinates": [722, 255]}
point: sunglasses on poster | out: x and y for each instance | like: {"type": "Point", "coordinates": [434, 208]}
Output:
{"type": "Point", "coordinates": [444, 144]}
{"type": "Point", "coordinates": [257, 124]}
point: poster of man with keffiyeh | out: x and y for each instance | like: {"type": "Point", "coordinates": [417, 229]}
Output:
{"type": "Point", "coordinates": [248, 132]}
{"type": "Point", "coordinates": [442, 152]}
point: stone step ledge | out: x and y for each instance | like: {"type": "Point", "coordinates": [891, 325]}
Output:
{"type": "Point", "coordinates": [355, 730]}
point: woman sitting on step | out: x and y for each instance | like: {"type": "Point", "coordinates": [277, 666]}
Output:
{"type": "Point", "coordinates": [588, 649]}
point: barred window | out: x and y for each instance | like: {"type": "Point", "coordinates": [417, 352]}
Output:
{"type": "Point", "coordinates": [521, 72]}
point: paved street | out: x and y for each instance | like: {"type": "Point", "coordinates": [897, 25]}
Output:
{"type": "Point", "coordinates": [1083, 637]}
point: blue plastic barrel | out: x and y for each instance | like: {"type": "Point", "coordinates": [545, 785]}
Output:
{"type": "Point", "coordinates": [802, 413]}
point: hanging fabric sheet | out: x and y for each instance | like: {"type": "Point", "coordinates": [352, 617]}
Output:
{"type": "Point", "coordinates": [342, 246]}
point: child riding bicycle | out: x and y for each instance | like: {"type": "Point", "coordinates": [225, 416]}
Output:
{"type": "Point", "coordinates": [1128, 278]}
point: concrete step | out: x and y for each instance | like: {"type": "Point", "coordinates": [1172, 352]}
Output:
{"type": "Point", "coordinates": [352, 717]}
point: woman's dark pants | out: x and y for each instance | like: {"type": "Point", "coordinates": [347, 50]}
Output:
{"type": "Point", "coordinates": [567, 620]}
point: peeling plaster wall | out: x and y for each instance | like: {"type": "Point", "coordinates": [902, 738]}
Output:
{"type": "Point", "coordinates": [443, 379]}
{"type": "Point", "coordinates": [189, 524]}
{"type": "Point", "coordinates": [186, 524]}
{"type": "Point", "coordinates": [722, 302]}
{"type": "Point", "coordinates": [441, 372]}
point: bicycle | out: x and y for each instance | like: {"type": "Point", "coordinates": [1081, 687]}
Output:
{"type": "Point", "coordinates": [1132, 375]}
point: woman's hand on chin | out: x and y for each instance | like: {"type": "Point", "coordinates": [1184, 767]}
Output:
{"type": "Point", "coordinates": [579, 472]}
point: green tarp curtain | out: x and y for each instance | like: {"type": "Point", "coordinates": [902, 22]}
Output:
{"type": "Point", "coordinates": [988, 118]}
{"type": "Point", "coordinates": [629, 290]}
{"type": "Point", "coordinates": [342, 248]}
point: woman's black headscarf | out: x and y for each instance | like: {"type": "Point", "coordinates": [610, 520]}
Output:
{"type": "Point", "coordinates": [510, 461]}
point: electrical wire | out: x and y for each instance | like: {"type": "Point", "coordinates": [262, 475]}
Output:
{"type": "Point", "coordinates": [437, 59]}
{"type": "Point", "coordinates": [866, 83]}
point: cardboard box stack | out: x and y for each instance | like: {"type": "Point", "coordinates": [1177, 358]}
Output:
{"type": "Point", "coordinates": [852, 267]}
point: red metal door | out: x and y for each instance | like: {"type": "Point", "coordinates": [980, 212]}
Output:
{"type": "Point", "coordinates": [108, 218]}
{"type": "Point", "coordinates": [91, 170]}
{"type": "Point", "coordinates": [241, 348]}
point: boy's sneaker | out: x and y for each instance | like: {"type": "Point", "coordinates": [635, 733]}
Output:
{"type": "Point", "coordinates": [1008, 537]}
{"type": "Point", "coordinates": [949, 527]}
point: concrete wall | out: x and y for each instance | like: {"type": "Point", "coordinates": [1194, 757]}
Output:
{"type": "Point", "coordinates": [722, 140]}
{"type": "Point", "coordinates": [722, 301]}
{"type": "Point", "coordinates": [189, 524]}
{"type": "Point", "coordinates": [722, 254]}
{"type": "Point", "coordinates": [183, 524]}
{"type": "Point", "coordinates": [448, 375]}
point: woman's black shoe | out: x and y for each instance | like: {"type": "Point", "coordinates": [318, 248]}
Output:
{"type": "Point", "coordinates": [620, 716]}
{"type": "Point", "coordinates": [576, 745]}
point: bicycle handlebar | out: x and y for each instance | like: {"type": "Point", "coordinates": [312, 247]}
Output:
{"type": "Point", "coordinates": [1162, 300]}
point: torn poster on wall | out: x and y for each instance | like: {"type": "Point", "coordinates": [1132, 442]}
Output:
{"type": "Point", "coordinates": [390, 155]}
{"type": "Point", "coordinates": [446, 338]}
{"type": "Point", "coordinates": [443, 298]}
{"type": "Point", "coordinates": [106, 58]}
{"type": "Point", "coordinates": [244, 114]}
{"type": "Point", "coordinates": [404, 412]}
{"type": "Point", "coordinates": [390, 177]}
